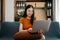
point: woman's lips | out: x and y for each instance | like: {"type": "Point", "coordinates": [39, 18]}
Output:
{"type": "Point", "coordinates": [30, 14]}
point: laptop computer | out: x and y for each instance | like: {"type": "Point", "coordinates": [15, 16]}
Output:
{"type": "Point", "coordinates": [41, 24]}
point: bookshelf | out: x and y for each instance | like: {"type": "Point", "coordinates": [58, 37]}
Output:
{"type": "Point", "coordinates": [45, 5]}
{"type": "Point", "coordinates": [49, 10]}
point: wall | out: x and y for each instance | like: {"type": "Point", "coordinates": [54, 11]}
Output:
{"type": "Point", "coordinates": [9, 10]}
{"type": "Point", "coordinates": [57, 10]}
{"type": "Point", "coordinates": [40, 14]}
{"type": "Point", "coordinates": [54, 10]}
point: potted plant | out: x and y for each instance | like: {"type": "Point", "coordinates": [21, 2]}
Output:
{"type": "Point", "coordinates": [19, 15]}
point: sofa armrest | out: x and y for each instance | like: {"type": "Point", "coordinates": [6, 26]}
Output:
{"type": "Point", "coordinates": [0, 33]}
{"type": "Point", "coordinates": [53, 30]}
{"type": "Point", "coordinates": [59, 31]}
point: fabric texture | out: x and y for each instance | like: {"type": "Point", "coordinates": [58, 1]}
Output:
{"type": "Point", "coordinates": [26, 23]}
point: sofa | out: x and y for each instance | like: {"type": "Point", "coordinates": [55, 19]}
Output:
{"type": "Point", "coordinates": [8, 29]}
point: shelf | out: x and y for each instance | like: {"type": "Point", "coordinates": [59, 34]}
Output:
{"type": "Point", "coordinates": [49, 7]}
{"type": "Point", "coordinates": [34, 8]}
{"type": "Point", "coordinates": [24, 8]}
{"type": "Point", "coordinates": [48, 16]}
{"type": "Point", "coordinates": [33, 0]}
{"type": "Point", "coordinates": [20, 7]}
{"type": "Point", "coordinates": [39, 8]}
{"type": "Point", "coordinates": [20, 0]}
{"type": "Point", "coordinates": [36, 1]}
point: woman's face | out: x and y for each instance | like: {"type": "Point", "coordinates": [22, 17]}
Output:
{"type": "Point", "coordinates": [29, 12]}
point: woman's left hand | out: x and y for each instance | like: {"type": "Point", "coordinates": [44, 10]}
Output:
{"type": "Point", "coordinates": [29, 29]}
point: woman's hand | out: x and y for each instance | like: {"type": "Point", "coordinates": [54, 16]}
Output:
{"type": "Point", "coordinates": [29, 29]}
{"type": "Point", "coordinates": [40, 31]}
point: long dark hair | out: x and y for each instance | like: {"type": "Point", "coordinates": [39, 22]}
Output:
{"type": "Point", "coordinates": [25, 13]}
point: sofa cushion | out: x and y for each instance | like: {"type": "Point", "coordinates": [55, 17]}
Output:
{"type": "Point", "coordinates": [9, 28]}
{"type": "Point", "coordinates": [52, 38]}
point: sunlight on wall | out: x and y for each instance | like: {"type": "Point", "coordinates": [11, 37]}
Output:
{"type": "Point", "coordinates": [57, 10]}
{"type": "Point", "coordinates": [9, 10]}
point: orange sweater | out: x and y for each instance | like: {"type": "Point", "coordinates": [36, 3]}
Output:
{"type": "Point", "coordinates": [26, 23]}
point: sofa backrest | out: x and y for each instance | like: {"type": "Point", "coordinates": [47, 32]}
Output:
{"type": "Point", "coordinates": [53, 30]}
{"type": "Point", "coordinates": [9, 28]}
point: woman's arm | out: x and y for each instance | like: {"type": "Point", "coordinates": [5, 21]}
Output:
{"type": "Point", "coordinates": [21, 27]}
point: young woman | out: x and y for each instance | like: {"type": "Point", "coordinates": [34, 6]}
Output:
{"type": "Point", "coordinates": [26, 23]}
